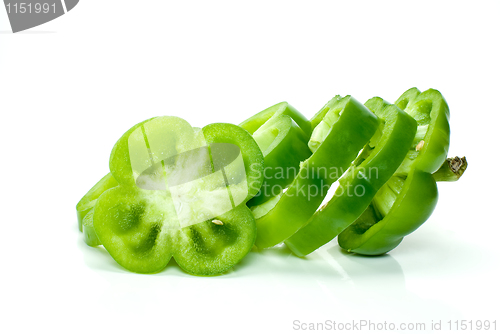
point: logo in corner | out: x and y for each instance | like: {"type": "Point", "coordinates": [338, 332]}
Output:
{"type": "Point", "coordinates": [26, 14]}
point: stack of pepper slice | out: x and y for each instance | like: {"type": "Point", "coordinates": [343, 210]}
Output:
{"type": "Point", "coordinates": [374, 166]}
{"type": "Point", "coordinates": [343, 126]}
{"type": "Point", "coordinates": [407, 200]}
{"type": "Point", "coordinates": [184, 192]}
{"type": "Point", "coordinates": [282, 134]}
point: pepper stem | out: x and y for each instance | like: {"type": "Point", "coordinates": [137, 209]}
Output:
{"type": "Point", "coordinates": [451, 170]}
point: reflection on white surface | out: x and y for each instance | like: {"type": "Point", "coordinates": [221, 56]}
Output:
{"type": "Point", "coordinates": [329, 285]}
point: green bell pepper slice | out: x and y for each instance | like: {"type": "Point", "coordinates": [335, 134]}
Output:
{"type": "Point", "coordinates": [349, 126]}
{"type": "Point", "coordinates": [375, 165]}
{"type": "Point", "coordinates": [87, 203]}
{"type": "Point", "coordinates": [181, 194]}
{"type": "Point", "coordinates": [282, 134]}
{"type": "Point", "coordinates": [88, 200]}
{"type": "Point", "coordinates": [408, 199]}
{"type": "Point", "coordinates": [253, 123]}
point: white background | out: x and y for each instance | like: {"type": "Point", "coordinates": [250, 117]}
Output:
{"type": "Point", "coordinates": [71, 87]}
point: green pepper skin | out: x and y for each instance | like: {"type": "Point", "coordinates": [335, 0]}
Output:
{"type": "Point", "coordinates": [256, 121]}
{"type": "Point", "coordinates": [89, 235]}
{"type": "Point", "coordinates": [88, 201]}
{"type": "Point", "coordinates": [410, 196]}
{"type": "Point", "coordinates": [431, 108]}
{"type": "Point", "coordinates": [251, 153]}
{"type": "Point", "coordinates": [412, 208]}
{"type": "Point", "coordinates": [142, 228]}
{"type": "Point", "coordinates": [282, 134]}
{"type": "Point", "coordinates": [351, 131]}
{"type": "Point", "coordinates": [374, 166]}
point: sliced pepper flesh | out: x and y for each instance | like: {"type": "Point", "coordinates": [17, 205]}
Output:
{"type": "Point", "coordinates": [253, 123]}
{"type": "Point", "coordinates": [408, 199]}
{"type": "Point", "coordinates": [401, 207]}
{"type": "Point", "coordinates": [350, 126]}
{"type": "Point", "coordinates": [282, 134]}
{"type": "Point", "coordinates": [181, 194]}
{"type": "Point", "coordinates": [370, 171]}
{"type": "Point", "coordinates": [431, 143]}
{"type": "Point", "coordinates": [89, 235]}
{"type": "Point", "coordinates": [88, 200]}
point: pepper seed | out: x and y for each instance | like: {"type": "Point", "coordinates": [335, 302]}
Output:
{"type": "Point", "coordinates": [420, 145]}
